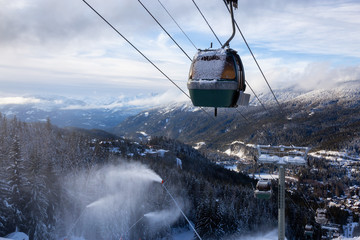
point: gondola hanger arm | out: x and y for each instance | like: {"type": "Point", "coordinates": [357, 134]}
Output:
{"type": "Point", "coordinates": [232, 3]}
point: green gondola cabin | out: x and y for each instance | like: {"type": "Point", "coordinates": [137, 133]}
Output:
{"type": "Point", "coordinates": [263, 190]}
{"type": "Point", "coordinates": [216, 78]}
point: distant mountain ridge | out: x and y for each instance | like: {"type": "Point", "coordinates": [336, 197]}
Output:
{"type": "Point", "coordinates": [323, 119]}
{"type": "Point", "coordinates": [88, 113]}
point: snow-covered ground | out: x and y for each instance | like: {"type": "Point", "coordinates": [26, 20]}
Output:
{"type": "Point", "coordinates": [199, 145]}
{"type": "Point", "coordinates": [271, 235]}
{"type": "Point", "coordinates": [183, 235]}
{"type": "Point", "coordinates": [231, 167]}
{"type": "Point", "coordinates": [335, 156]}
{"type": "Point", "coordinates": [268, 176]}
{"type": "Point", "coordinates": [343, 238]}
{"type": "Point", "coordinates": [16, 236]}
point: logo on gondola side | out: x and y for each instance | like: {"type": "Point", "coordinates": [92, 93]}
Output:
{"type": "Point", "coordinates": [210, 58]}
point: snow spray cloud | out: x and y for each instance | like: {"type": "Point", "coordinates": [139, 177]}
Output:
{"type": "Point", "coordinates": [160, 218]}
{"type": "Point", "coordinates": [111, 199]}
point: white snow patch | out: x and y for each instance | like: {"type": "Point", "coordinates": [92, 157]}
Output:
{"type": "Point", "coordinates": [114, 150]}
{"type": "Point", "coordinates": [272, 235]}
{"type": "Point", "coordinates": [334, 156]}
{"type": "Point", "coordinates": [143, 133]}
{"type": "Point", "coordinates": [199, 145]}
{"type": "Point", "coordinates": [251, 145]}
{"type": "Point", "coordinates": [343, 238]}
{"type": "Point", "coordinates": [161, 152]}
{"type": "Point", "coordinates": [17, 236]}
{"type": "Point", "coordinates": [231, 168]}
{"type": "Point", "coordinates": [179, 162]}
{"type": "Point", "coordinates": [239, 154]}
{"type": "Point", "coordinates": [269, 176]}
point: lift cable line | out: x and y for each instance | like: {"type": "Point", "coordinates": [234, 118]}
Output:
{"type": "Point", "coordinates": [183, 50]}
{"type": "Point", "coordinates": [289, 195]}
{"type": "Point", "coordinates": [133, 226]}
{"type": "Point", "coordinates": [164, 29]}
{"type": "Point", "coordinates": [151, 62]}
{"type": "Point", "coordinates": [142, 54]}
{"type": "Point", "coordinates": [256, 96]}
{"type": "Point", "coordinates": [207, 22]}
{"type": "Point", "coordinates": [177, 205]}
{"type": "Point", "coordinates": [252, 54]}
{"type": "Point", "coordinates": [226, 44]}
{"type": "Point", "coordinates": [177, 24]}
{"type": "Point", "coordinates": [246, 119]}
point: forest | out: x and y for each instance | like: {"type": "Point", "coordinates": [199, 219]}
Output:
{"type": "Point", "coordinates": [56, 183]}
{"type": "Point", "coordinates": [42, 193]}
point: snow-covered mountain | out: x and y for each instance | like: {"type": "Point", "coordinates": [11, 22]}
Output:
{"type": "Point", "coordinates": [88, 113]}
{"type": "Point", "coordinates": [324, 119]}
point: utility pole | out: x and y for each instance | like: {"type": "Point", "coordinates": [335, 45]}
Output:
{"type": "Point", "coordinates": [282, 156]}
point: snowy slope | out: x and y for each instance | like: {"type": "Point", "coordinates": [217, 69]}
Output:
{"type": "Point", "coordinates": [16, 236]}
{"type": "Point", "coordinates": [327, 119]}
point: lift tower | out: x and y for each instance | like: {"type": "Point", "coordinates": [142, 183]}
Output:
{"type": "Point", "coordinates": [282, 156]}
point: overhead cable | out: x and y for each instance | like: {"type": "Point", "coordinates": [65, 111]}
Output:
{"type": "Point", "coordinates": [207, 22]}
{"type": "Point", "coordinates": [252, 54]}
{"type": "Point", "coordinates": [221, 45]}
{"type": "Point", "coordinates": [248, 84]}
{"type": "Point", "coordinates": [177, 25]}
{"type": "Point", "coordinates": [142, 54]}
{"type": "Point", "coordinates": [184, 51]}
{"type": "Point", "coordinates": [163, 29]}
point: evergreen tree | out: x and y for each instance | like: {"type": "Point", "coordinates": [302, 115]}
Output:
{"type": "Point", "coordinates": [17, 183]}
{"type": "Point", "coordinates": [38, 202]}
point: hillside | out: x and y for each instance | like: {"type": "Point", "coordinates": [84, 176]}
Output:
{"type": "Point", "coordinates": [321, 119]}
{"type": "Point", "coordinates": [58, 183]}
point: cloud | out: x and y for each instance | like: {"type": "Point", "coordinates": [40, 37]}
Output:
{"type": "Point", "coordinates": [323, 76]}
{"type": "Point", "coordinates": [64, 47]}
{"type": "Point", "coordinates": [170, 96]}
{"type": "Point", "coordinates": [18, 100]}
{"type": "Point", "coordinates": [311, 27]}
{"type": "Point", "coordinates": [301, 75]}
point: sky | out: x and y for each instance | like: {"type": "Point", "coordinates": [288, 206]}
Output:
{"type": "Point", "coordinates": [64, 48]}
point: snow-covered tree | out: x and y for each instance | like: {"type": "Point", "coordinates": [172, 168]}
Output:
{"type": "Point", "coordinates": [17, 183]}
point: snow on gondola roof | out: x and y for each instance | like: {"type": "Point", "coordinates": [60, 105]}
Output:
{"type": "Point", "coordinates": [209, 64]}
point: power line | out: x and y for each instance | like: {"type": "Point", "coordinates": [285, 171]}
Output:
{"type": "Point", "coordinates": [207, 22]}
{"type": "Point", "coordinates": [163, 29]}
{"type": "Point", "coordinates": [248, 84]}
{"type": "Point", "coordinates": [177, 25]}
{"type": "Point", "coordinates": [252, 54]}
{"type": "Point", "coordinates": [184, 51]}
{"type": "Point", "coordinates": [193, 228]}
{"type": "Point", "coordinates": [141, 53]}
{"type": "Point", "coordinates": [289, 196]}
{"type": "Point", "coordinates": [195, 47]}
{"type": "Point", "coordinates": [249, 122]}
